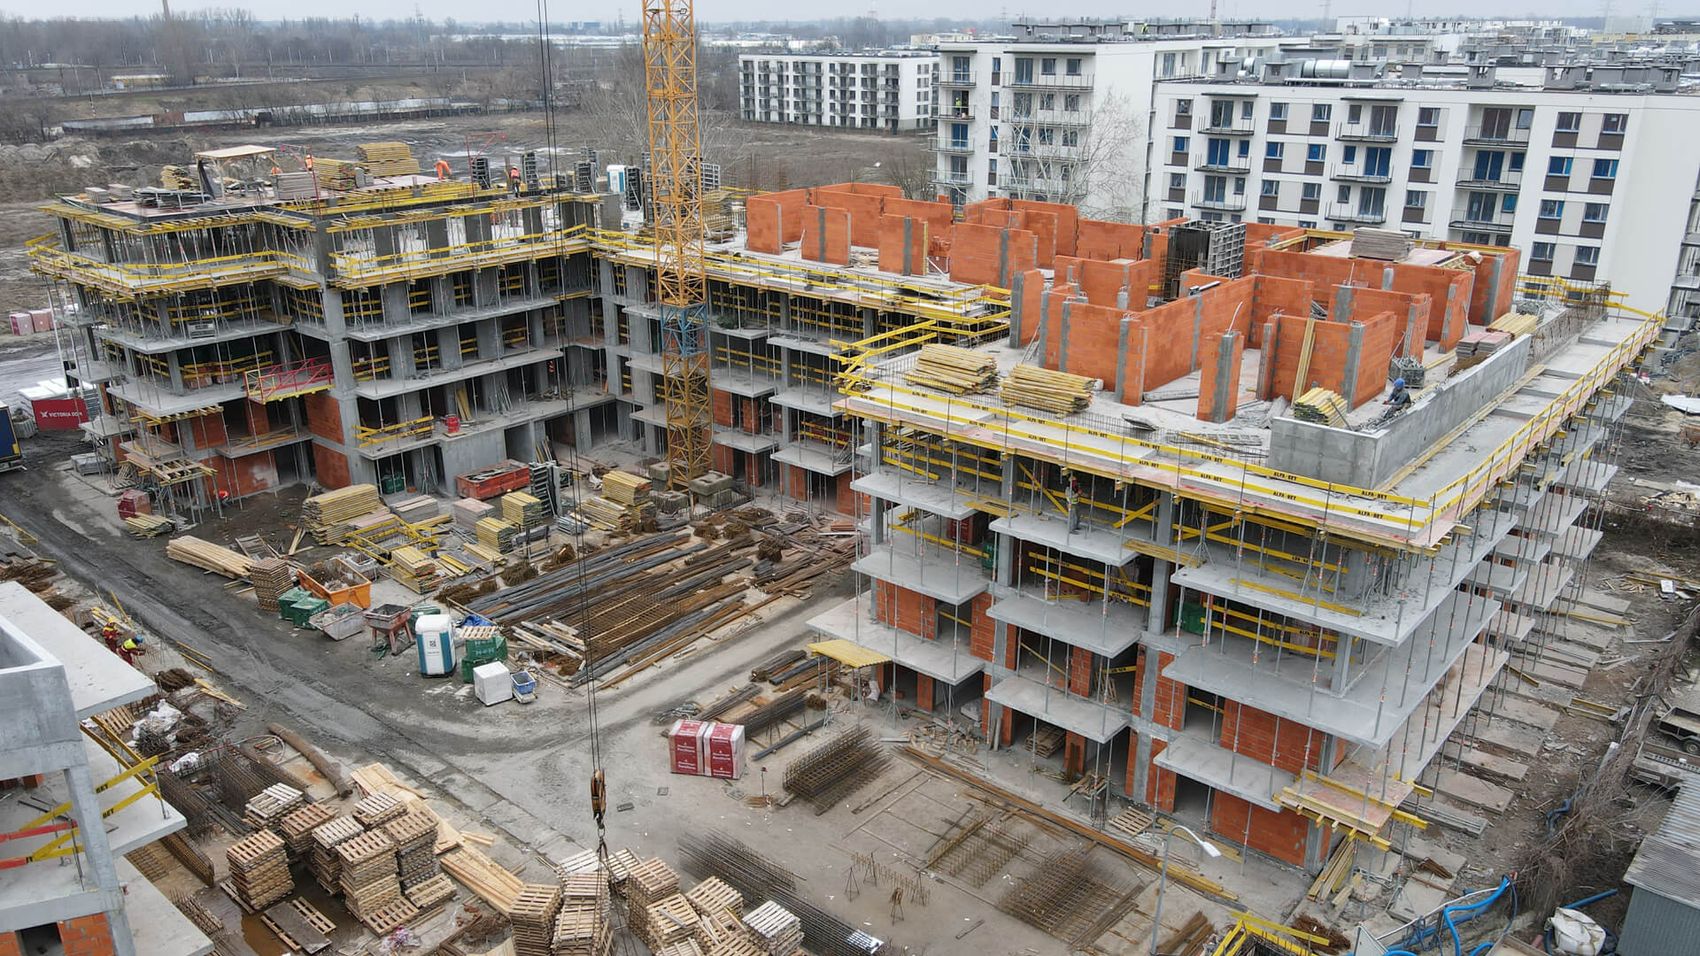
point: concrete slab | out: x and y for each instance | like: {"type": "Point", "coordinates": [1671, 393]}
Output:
{"type": "Point", "coordinates": [1473, 791]}
{"type": "Point", "coordinates": [944, 660]}
{"type": "Point", "coordinates": [1511, 737]}
{"type": "Point", "coordinates": [1103, 628]}
{"type": "Point", "coordinates": [743, 441]}
{"type": "Point", "coordinates": [158, 927]}
{"type": "Point", "coordinates": [1051, 530]}
{"type": "Point", "coordinates": [814, 401]}
{"type": "Point", "coordinates": [1197, 756]}
{"type": "Point", "coordinates": [1417, 898]}
{"type": "Point", "coordinates": [1494, 765]}
{"type": "Point", "coordinates": [1094, 721]}
{"type": "Point", "coordinates": [893, 484]}
{"type": "Point", "coordinates": [744, 383]}
{"type": "Point", "coordinates": [814, 457]}
{"type": "Point", "coordinates": [937, 573]}
{"type": "Point", "coordinates": [99, 679]}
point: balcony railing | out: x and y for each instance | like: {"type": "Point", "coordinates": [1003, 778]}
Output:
{"type": "Point", "coordinates": [1346, 212]}
{"type": "Point", "coordinates": [1049, 118]}
{"type": "Point", "coordinates": [953, 111]}
{"type": "Point", "coordinates": [1055, 81]}
{"type": "Point", "coordinates": [1233, 164]}
{"type": "Point", "coordinates": [1226, 202]}
{"type": "Point", "coordinates": [1228, 127]}
{"type": "Point", "coordinates": [1508, 182]}
{"type": "Point", "coordinates": [1368, 132]}
{"type": "Point", "coordinates": [1475, 220]}
{"type": "Point", "coordinates": [1359, 173]}
{"type": "Point", "coordinates": [952, 177]}
{"type": "Point", "coordinates": [946, 144]}
{"type": "Point", "coordinates": [1495, 135]}
{"type": "Point", "coordinates": [956, 78]}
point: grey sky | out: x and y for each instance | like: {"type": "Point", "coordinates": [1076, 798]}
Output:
{"type": "Point", "coordinates": [711, 10]}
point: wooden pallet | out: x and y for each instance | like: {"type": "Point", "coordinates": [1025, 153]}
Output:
{"type": "Point", "coordinates": [301, 927]}
{"type": "Point", "coordinates": [1133, 821]}
{"type": "Point", "coordinates": [432, 893]}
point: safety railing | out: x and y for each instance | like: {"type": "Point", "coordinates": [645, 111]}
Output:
{"type": "Point", "coordinates": [136, 279]}
{"type": "Point", "coordinates": [353, 269]}
{"type": "Point", "coordinates": [278, 382]}
{"type": "Point", "coordinates": [64, 833]}
{"type": "Point", "coordinates": [400, 431]}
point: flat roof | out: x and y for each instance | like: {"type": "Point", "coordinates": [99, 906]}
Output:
{"type": "Point", "coordinates": [99, 679]}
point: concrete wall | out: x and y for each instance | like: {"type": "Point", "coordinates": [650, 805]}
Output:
{"type": "Point", "coordinates": [1368, 459]}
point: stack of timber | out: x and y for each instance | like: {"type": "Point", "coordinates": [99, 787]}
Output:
{"type": "Point", "coordinates": [584, 926]}
{"type": "Point", "coordinates": [1387, 244]}
{"type": "Point", "coordinates": [776, 929]}
{"type": "Point", "coordinates": [298, 825]}
{"type": "Point", "coordinates": [415, 837]}
{"type": "Point", "coordinates": [416, 509]}
{"type": "Point", "coordinates": [414, 569]}
{"type": "Point", "coordinates": [324, 864]}
{"type": "Point", "coordinates": [496, 534]}
{"type": "Point", "coordinates": [606, 514]}
{"type": "Point", "coordinates": [296, 185]}
{"type": "Point", "coordinates": [267, 808]}
{"type": "Point", "coordinates": [327, 515]}
{"type": "Point", "coordinates": [533, 917]}
{"type": "Point", "coordinates": [377, 809]}
{"type": "Point", "coordinates": [494, 883]}
{"type": "Point", "coordinates": [368, 877]}
{"type": "Point", "coordinates": [372, 527]}
{"type": "Point", "coordinates": [666, 921]}
{"type": "Point", "coordinates": [271, 577]}
{"type": "Point", "coordinates": [626, 489]}
{"type": "Point", "coordinates": [521, 510]}
{"type": "Point", "coordinates": [953, 369]}
{"type": "Point", "coordinates": [714, 895]}
{"type": "Point", "coordinates": [259, 870]}
{"type": "Point", "coordinates": [209, 557]}
{"type": "Point", "coordinates": [1322, 407]}
{"type": "Point", "coordinates": [336, 173]}
{"type": "Point", "coordinates": [469, 511]}
{"type": "Point", "coordinates": [1056, 392]}
{"type": "Point", "coordinates": [148, 526]}
{"type": "Point", "coordinates": [1515, 323]}
{"type": "Point", "coordinates": [388, 159]}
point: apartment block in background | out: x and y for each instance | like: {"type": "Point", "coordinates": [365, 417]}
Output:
{"type": "Point", "coordinates": [890, 90]}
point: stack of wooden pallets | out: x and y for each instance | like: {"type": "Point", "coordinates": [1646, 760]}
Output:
{"type": "Point", "coordinates": [431, 893]}
{"type": "Point", "coordinates": [298, 825]}
{"type": "Point", "coordinates": [415, 837]}
{"type": "Point", "coordinates": [368, 876]}
{"type": "Point", "coordinates": [584, 926]}
{"type": "Point", "coordinates": [1056, 392]}
{"type": "Point", "coordinates": [952, 369]}
{"type": "Point", "coordinates": [325, 864]}
{"type": "Point", "coordinates": [327, 515]}
{"type": "Point", "coordinates": [378, 809]}
{"type": "Point", "coordinates": [670, 919]}
{"type": "Point", "coordinates": [259, 870]}
{"type": "Point", "coordinates": [268, 807]}
{"type": "Point", "coordinates": [388, 159]}
{"type": "Point", "coordinates": [777, 931]}
{"type": "Point", "coordinates": [271, 577]}
{"type": "Point", "coordinates": [533, 918]}
{"type": "Point", "coordinates": [648, 881]}
{"type": "Point", "coordinates": [715, 895]}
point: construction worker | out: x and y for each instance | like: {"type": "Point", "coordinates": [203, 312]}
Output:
{"type": "Point", "coordinates": [513, 180]}
{"type": "Point", "coordinates": [1400, 398]}
{"type": "Point", "coordinates": [110, 634]}
{"type": "Point", "coordinates": [276, 170]}
{"type": "Point", "coordinates": [442, 170]}
{"type": "Point", "coordinates": [130, 650]}
{"type": "Point", "coordinates": [307, 161]}
{"type": "Point", "coordinates": [1073, 493]}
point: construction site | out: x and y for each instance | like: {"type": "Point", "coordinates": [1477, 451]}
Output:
{"type": "Point", "coordinates": [470, 535]}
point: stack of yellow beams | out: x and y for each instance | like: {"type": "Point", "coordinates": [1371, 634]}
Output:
{"type": "Point", "coordinates": [1321, 406]}
{"type": "Point", "coordinates": [626, 488]}
{"type": "Point", "coordinates": [496, 534]}
{"type": "Point", "coordinates": [1056, 392]}
{"type": "Point", "coordinates": [327, 515]}
{"type": "Point", "coordinates": [388, 159]}
{"type": "Point", "coordinates": [952, 369]}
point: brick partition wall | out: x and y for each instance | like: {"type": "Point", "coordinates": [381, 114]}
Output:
{"type": "Point", "coordinates": [1449, 290]}
{"type": "Point", "coordinates": [323, 417]}
{"type": "Point", "coordinates": [906, 610]}
{"type": "Point", "coordinates": [330, 467]}
{"type": "Point", "coordinates": [1096, 239]}
{"type": "Point", "coordinates": [1279, 835]}
{"type": "Point", "coordinates": [982, 633]}
{"type": "Point", "coordinates": [864, 202]}
{"type": "Point", "coordinates": [1159, 783]}
{"type": "Point", "coordinates": [86, 936]}
{"type": "Point", "coordinates": [989, 255]}
{"type": "Point", "coordinates": [9, 945]}
{"type": "Point", "coordinates": [826, 235]}
{"type": "Point", "coordinates": [773, 219]}
{"type": "Point", "coordinates": [1286, 744]}
{"type": "Point", "coordinates": [1170, 703]}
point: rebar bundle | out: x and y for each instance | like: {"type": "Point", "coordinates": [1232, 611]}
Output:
{"type": "Point", "coordinates": [757, 878]}
{"type": "Point", "coordinates": [1067, 896]}
{"type": "Point", "coordinates": [834, 770]}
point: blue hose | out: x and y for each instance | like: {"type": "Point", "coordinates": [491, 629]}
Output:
{"type": "Point", "coordinates": [1472, 909]}
{"type": "Point", "coordinates": [1587, 900]}
{"type": "Point", "coordinates": [1483, 947]}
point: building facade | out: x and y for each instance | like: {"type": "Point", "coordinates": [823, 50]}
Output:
{"type": "Point", "coordinates": [891, 90]}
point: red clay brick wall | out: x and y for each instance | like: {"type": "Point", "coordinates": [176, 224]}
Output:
{"type": "Point", "coordinates": [1032, 298]}
{"type": "Point", "coordinates": [330, 467]}
{"type": "Point", "coordinates": [1170, 702]}
{"type": "Point", "coordinates": [721, 404]}
{"type": "Point", "coordinates": [895, 255]}
{"type": "Point", "coordinates": [1367, 303]}
{"type": "Point", "coordinates": [1074, 755]}
{"type": "Point", "coordinates": [1262, 736]}
{"type": "Point", "coordinates": [722, 458]}
{"type": "Point", "coordinates": [322, 417]}
{"type": "Point", "coordinates": [1259, 234]}
{"type": "Point", "coordinates": [1094, 332]}
{"type": "Point", "coordinates": [792, 482]}
{"type": "Point", "coordinates": [259, 423]}
{"type": "Point", "coordinates": [923, 692]}
{"type": "Point", "coordinates": [86, 936]}
{"type": "Point", "coordinates": [1079, 671]}
{"type": "Point", "coordinates": [773, 219]}
{"type": "Point", "coordinates": [1327, 356]}
{"type": "Point", "coordinates": [752, 469]}
{"type": "Point", "coordinates": [974, 254]}
{"type": "Point", "coordinates": [1280, 835]}
{"type": "Point", "coordinates": [1383, 335]}
{"type": "Point", "coordinates": [1165, 353]}
{"type": "Point", "coordinates": [243, 476]}
{"type": "Point", "coordinates": [982, 634]}
{"type": "Point", "coordinates": [752, 416]}
{"type": "Point", "coordinates": [207, 430]}
{"type": "Point", "coordinates": [1211, 349]}
{"type": "Point", "coordinates": [1159, 783]}
{"type": "Point", "coordinates": [863, 201]}
{"type": "Point", "coordinates": [834, 226]}
{"type": "Point", "coordinates": [938, 215]}
{"type": "Point", "coordinates": [1483, 286]}
{"type": "Point", "coordinates": [1068, 223]}
{"type": "Point", "coordinates": [1271, 295]}
{"type": "Point", "coordinates": [1329, 271]}
{"type": "Point", "coordinates": [1096, 239]}
{"type": "Point", "coordinates": [906, 610]}
{"type": "Point", "coordinates": [9, 945]}
{"type": "Point", "coordinates": [844, 500]}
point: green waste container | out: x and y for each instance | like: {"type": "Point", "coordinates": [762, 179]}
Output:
{"type": "Point", "coordinates": [1192, 618]}
{"type": "Point", "coordinates": [391, 484]}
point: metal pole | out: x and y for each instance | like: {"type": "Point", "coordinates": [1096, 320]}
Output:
{"type": "Point", "coordinates": [1162, 882]}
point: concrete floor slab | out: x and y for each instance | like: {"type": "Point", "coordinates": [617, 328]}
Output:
{"type": "Point", "coordinates": [892, 484]}
{"type": "Point", "coordinates": [943, 659]}
{"type": "Point", "coordinates": [1094, 721]}
{"type": "Point", "coordinates": [1200, 758]}
{"type": "Point", "coordinates": [1051, 530]}
{"type": "Point", "coordinates": [943, 575]}
{"type": "Point", "coordinates": [1108, 629]}
{"type": "Point", "coordinates": [98, 678]}
{"type": "Point", "coordinates": [1473, 791]}
{"type": "Point", "coordinates": [1417, 898]}
{"type": "Point", "coordinates": [1493, 764]}
{"type": "Point", "coordinates": [156, 925]}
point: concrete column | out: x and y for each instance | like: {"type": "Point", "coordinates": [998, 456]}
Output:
{"type": "Point", "coordinates": [400, 348]}
{"type": "Point", "coordinates": [1339, 677]}
{"type": "Point", "coordinates": [877, 518]}
{"type": "Point", "coordinates": [489, 334]}
{"type": "Point", "coordinates": [870, 322]}
{"type": "Point", "coordinates": [1354, 352]}
{"type": "Point", "coordinates": [1163, 532]}
{"type": "Point", "coordinates": [174, 367]}
{"type": "Point", "coordinates": [1197, 329]}
{"type": "Point", "coordinates": [91, 833]}
{"type": "Point", "coordinates": [581, 430]}
{"type": "Point", "coordinates": [1062, 335]}
{"type": "Point", "coordinates": [1017, 314]}
{"type": "Point", "coordinates": [393, 298]}
{"type": "Point", "coordinates": [448, 346]}
{"type": "Point", "coordinates": [1006, 560]}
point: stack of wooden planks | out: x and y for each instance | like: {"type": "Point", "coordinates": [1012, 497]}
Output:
{"type": "Point", "coordinates": [533, 918]}
{"type": "Point", "coordinates": [148, 526]}
{"type": "Point", "coordinates": [259, 869]}
{"type": "Point", "coordinates": [625, 488]}
{"type": "Point", "coordinates": [1516, 323]}
{"type": "Point", "coordinates": [1386, 244]}
{"type": "Point", "coordinates": [496, 534]}
{"type": "Point", "coordinates": [606, 514]}
{"type": "Point", "coordinates": [336, 173]}
{"type": "Point", "coordinates": [469, 511]}
{"type": "Point", "coordinates": [388, 159]}
{"type": "Point", "coordinates": [777, 930]}
{"type": "Point", "coordinates": [368, 876]}
{"type": "Point", "coordinates": [1322, 407]}
{"type": "Point", "coordinates": [415, 836]}
{"type": "Point", "coordinates": [416, 509]}
{"type": "Point", "coordinates": [298, 825]}
{"type": "Point", "coordinates": [494, 883]}
{"type": "Point", "coordinates": [208, 556]}
{"type": "Point", "coordinates": [324, 863]}
{"type": "Point", "coordinates": [414, 569]}
{"type": "Point", "coordinates": [1056, 392]}
{"type": "Point", "coordinates": [522, 510]}
{"type": "Point", "coordinates": [327, 515]}
{"type": "Point", "coordinates": [271, 577]}
{"type": "Point", "coordinates": [953, 369]}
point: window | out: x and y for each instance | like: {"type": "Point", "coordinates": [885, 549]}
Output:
{"type": "Point", "coordinates": [1244, 149]}
{"type": "Point", "coordinates": [1071, 137]}
{"type": "Point", "coordinates": [1278, 111]}
{"type": "Point", "coordinates": [1344, 194]}
{"type": "Point", "coordinates": [1047, 101]}
{"type": "Point", "coordinates": [1048, 66]}
{"type": "Point", "coordinates": [1428, 116]}
{"type": "Point", "coordinates": [1316, 152]}
{"type": "Point", "coordinates": [1273, 150]}
{"type": "Point", "coordinates": [1516, 162]}
{"type": "Point", "coordinates": [1594, 212]}
{"type": "Point", "coordinates": [1271, 187]}
{"type": "Point", "coordinates": [1525, 118]}
{"type": "Point", "coordinates": [1354, 112]}
{"type": "Point", "coordinates": [1559, 166]}
{"type": "Point", "coordinates": [1416, 199]}
{"type": "Point", "coordinates": [1183, 108]}
{"type": "Point", "coordinates": [1542, 251]}
{"type": "Point", "coordinates": [1349, 155]}
{"type": "Point", "coordinates": [1552, 208]}
{"type": "Point", "coordinates": [1047, 136]}
{"type": "Point", "coordinates": [1177, 180]}
{"type": "Point", "coordinates": [1239, 185]}
{"type": "Point", "coordinates": [1311, 191]}
{"type": "Point", "coordinates": [1422, 158]}
{"type": "Point", "coordinates": [1321, 112]}
{"type": "Point", "coordinates": [1568, 123]}
{"type": "Point", "coordinates": [1605, 169]}
{"type": "Point", "coordinates": [1307, 223]}
{"type": "Point", "coordinates": [1508, 203]}
{"type": "Point", "coordinates": [1246, 108]}
{"type": "Point", "coordinates": [1072, 66]}
{"type": "Point", "coordinates": [1071, 102]}
{"type": "Point", "coordinates": [1587, 255]}
{"type": "Point", "coordinates": [1181, 144]}
{"type": "Point", "coordinates": [1614, 122]}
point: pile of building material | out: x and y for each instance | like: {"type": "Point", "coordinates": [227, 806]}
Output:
{"type": "Point", "coordinates": [388, 159]}
{"type": "Point", "coordinates": [416, 509]}
{"type": "Point", "coordinates": [378, 809]}
{"type": "Point", "coordinates": [325, 864]}
{"type": "Point", "coordinates": [1321, 406]}
{"type": "Point", "coordinates": [1516, 323]}
{"type": "Point", "coordinates": [431, 893]}
{"type": "Point", "coordinates": [953, 369]}
{"type": "Point", "coordinates": [368, 875]}
{"type": "Point", "coordinates": [327, 515]}
{"type": "Point", "coordinates": [648, 881]}
{"type": "Point", "coordinates": [148, 526]}
{"type": "Point", "coordinates": [209, 557]}
{"type": "Point", "coordinates": [336, 173]}
{"type": "Point", "coordinates": [522, 510]}
{"type": "Point", "coordinates": [296, 186]}
{"type": "Point", "coordinates": [776, 930]}
{"type": "Point", "coordinates": [626, 489]}
{"type": "Point", "coordinates": [271, 577]}
{"type": "Point", "coordinates": [835, 769]}
{"type": "Point", "coordinates": [469, 511]}
{"type": "Point", "coordinates": [497, 535]}
{"type": "Point", "coordinates": [259, 870]}
{"type": "Point", "coordinates": [415, 836]}
{"type": "Point", "coordinates": [298, 825]}
{"type": "Point", "coordinates": [268, 807]}
{"type": "Point", "coordinates": [605, 514]}
{"type": "Point", "coordinates": [1388, 244]}
{"type": "Point", "coordinates": [1475, 347]}
{"type": "Point", "coordinates": [584, 926]}
{"type": "Point", "coordinates": [533, 917]}
{"type": "Point", "coordinates": [1056, 392]}
{"type": "Point", "coordinates": [715, 895]}
{"type": "Point", "coordinates": [413, 569]}
{"type": "Point", "coordinates": [1409, 368]}
{"type": "Point", "coordinates": [665, 922]}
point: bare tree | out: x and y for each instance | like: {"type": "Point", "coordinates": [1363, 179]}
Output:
{"type": "Point", "coordinates": [910, 171]}
{"type": "Point", "coordinates": [1085, 158]}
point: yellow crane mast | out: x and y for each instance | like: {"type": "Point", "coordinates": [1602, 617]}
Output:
{"type": "Point", "coordinates": [675, 198]}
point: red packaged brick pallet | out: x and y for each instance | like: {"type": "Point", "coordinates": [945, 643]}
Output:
{"type": "Point", "coordinates": [706, 749]}
{"type": "Point", "coordinates": [685, 747]}
{"type": "Point", "coordinates": [726, 751]}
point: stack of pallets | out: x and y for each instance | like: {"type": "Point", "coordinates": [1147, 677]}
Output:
{"type": "Point", "coordinates": [714, 895]}
{"type": "Point", "coordinates": [649, 881]}
{"type": "Point", "coordinates": [496, 534]}
{"type": "Point", "coordinates": [953, 369]}
{"type": "Point", "coordinates": [271, 577]}
{"type": "Point", "coordinates": [378, 809]}
{"type": "Point", "coordinates": [522, 510]}
{"type": "Point", "coordinates": [469, 511]}
{"type": "Point", "coordinates": [1056, 392]}
{"type": "Point", "coordinates": [431, 893]}
{"type": "Point", "coordinates": [368, 876]}
{"type": "Point", "coordinates": [388, 159]}
{"type": "Point", "coordinates": [584, 926]}
{"type": "Point", "coordinates": [268, 807]}
{"type": "Point", "coordinates": [327, 515]}
{"type": "Point", "coordinates": [777, 931]}
{"type": "Point", "coordinates": [259, 870]}
{"type": "Point", "coordinates": [533, 918]}
{"type": "Point", "coordinates": [1387, 244]}
{"type": "Point", "coordinates": [415, 837]}
{"type": "Point", "coordinates": [298, 825]}
{"type": "Point", "coordinates": [668, 920]}
{"type": "Point", "coordinates": [325, 864]}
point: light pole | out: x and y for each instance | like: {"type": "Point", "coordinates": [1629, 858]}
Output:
{"type": "Point", "coordinates": [1163, 877]}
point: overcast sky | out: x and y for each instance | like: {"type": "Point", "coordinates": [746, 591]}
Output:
{"type": "Point", "coordinates": [712, 10]}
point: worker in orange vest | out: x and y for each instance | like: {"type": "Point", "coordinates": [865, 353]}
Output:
{"type": "Point", "coordinates": [513, 180]}
{"type": "Point", "coordinates": [442, 169]}
{"type": "Point", "coordinates": [110, 634]}
{"type": "Point", "coordinates": [308, 162]}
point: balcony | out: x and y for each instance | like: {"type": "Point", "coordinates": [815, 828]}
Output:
{"type": "Point", "coordinates": [1358, 173]}
{"type": "Point", "coordinates": [1495, 135]}
{"type": "Point", "coordinates": [945, 144]}
{"type": "Point", "coordinates": [1367, 132]}
{"type": "Point", "coordinates": [956, 111]}
{"type": "Point", "coordinates": [1504, 182]}
{"type": "Point", "coordinates": [1219, 203]}
{"type": "Point", "coordinates": [1239, 165]}
{"type": "Point", "coordinates": [1346, 212]}
{"type": "Point", "coordinates": [1499, 222]}
{"type": "Point", "coordinates": [956, 78]}
{"type": "Point", "coordinates": [1056, 81]}
{"type": "Point", "coordinates": [953, 177]}
{"type": "Point", "coordinates": [1228, 127]}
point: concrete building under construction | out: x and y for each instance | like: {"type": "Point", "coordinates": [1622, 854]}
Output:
{"type": "Point", "coordinates": [1225, 578]}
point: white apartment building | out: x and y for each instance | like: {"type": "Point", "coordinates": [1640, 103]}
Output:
{"type": "Point", "coordinates": [1592, 185]}
{"type": "Point", "coordinates": [891, 90]}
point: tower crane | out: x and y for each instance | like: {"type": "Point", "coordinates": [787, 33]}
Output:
{"type": "Point", "coordinates": [675, 190]}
